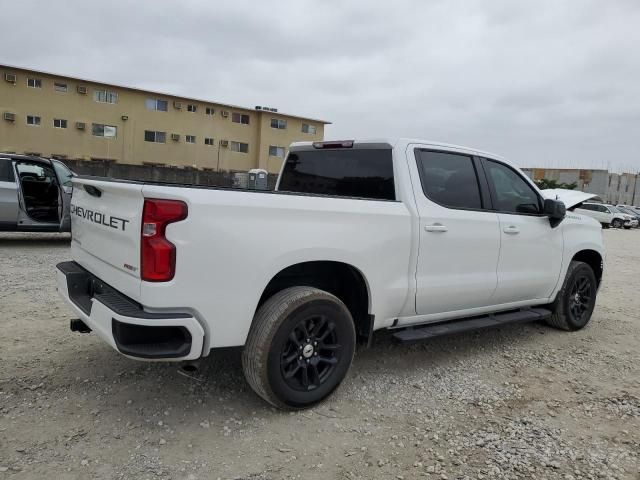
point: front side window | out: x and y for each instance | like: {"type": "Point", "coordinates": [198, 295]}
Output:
{"type": "Point", "coordinates": [105, 96]}
{"type": "Point", "coordinates": [240, 118]}
{"type": "Point", "coordinates": [102, 130]}
{"type": "Point", "coordinates": [34, 82]}
{"type": "Point", "coordinates": [64, 174]}
{"type": "Point", "coordinates": [278, 123]}
{"type": "Point", "coordinates": [156, 104]}
{"type": "Point", "coordinates": [359, 173]}
{"type": "Point", "coordinates": [275, 151]}
{"type": "Point", "coordinates": [59, 123]}
{"type": "Point", "coordinates": [33, 120]}
{"type": "Point", "coordinates": [449, 179]}
{"type": "Point", "coordinates": [240, 147]}
{"type": "Point", "coordinates": [512, 193]}
{"type": "Point", "coordinates": [155, 137]}
{"type": "Point", "coordinates": [306, 128]}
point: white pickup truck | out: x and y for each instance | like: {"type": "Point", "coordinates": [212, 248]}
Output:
{"type": "Point", "coordinates": [421, 238]}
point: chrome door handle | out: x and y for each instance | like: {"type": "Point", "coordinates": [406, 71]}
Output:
{"type": "Point", "coordinates": [436, 227]}
{"type": "Point", "coordinates": [511, 230]}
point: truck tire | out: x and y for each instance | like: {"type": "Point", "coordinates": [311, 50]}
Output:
{"type": "Point", "coordinates": [299, 348]}
{"type": "Point", "coordinates": [576, 299]}
{"type": "Point", "coordinates": [617, 223]}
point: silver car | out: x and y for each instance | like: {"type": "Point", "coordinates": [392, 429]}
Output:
{"type": "Point", "coordinates": [35, 194]}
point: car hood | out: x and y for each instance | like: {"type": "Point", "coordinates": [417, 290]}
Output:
{"type": "Point", "coordinates": [570, 198]}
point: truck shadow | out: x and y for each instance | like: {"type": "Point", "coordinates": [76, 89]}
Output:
{"type": "Point", "coordinates": [33, 239]}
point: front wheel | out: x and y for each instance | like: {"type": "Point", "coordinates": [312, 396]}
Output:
{"type": "Point", "coordinates": [576, 299]}
{"type": "Point", "coordinates": [617, 223]}
{"type": "Point", "coordinates": [299, 348]}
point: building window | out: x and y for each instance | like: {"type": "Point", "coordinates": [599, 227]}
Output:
{"type": "Point", "coordinates": [240, 147]}
{"type": "Point", "coordinates": [190, 138]}
{"type": "Point", "coordinates": [192, 108]}
{"type": "Point", "coordinates": [278, 123]}
{"type": "Point", "coordinates": [34, 83]}
{"type": "Point", "coordinates": [306, 128]}
{"type": "Point", "coordinates": [240, 118]}
{"type": "Point", "coordinates": [101, 130]}
{"type": "Point", "coordinates": [209, 111]}
{"type": "Point", "coordinates": [60, 87]}
{"type": "Point", "coordinates": [59, 123]}
{"type": "Point", "coordinates": [105, 96]}
{"type": "Point", "coordinates": [276, 151]}
{"type": "Point", "coordinates": [33, 120]}
{"type": "Point", "coordinates": [156, 137]}
{"type": "Point", "coordinates": [208, 141]}
{"type": "Point", "coordinates": [156, 104]}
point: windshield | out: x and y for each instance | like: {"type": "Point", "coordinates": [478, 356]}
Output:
{"type": "Point", "coordinates": [613, 209]}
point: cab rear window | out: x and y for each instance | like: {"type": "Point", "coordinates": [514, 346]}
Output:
{"type": "Point", "coordinates": [359, 173]}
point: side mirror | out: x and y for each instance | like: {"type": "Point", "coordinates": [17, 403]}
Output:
{"type": "Point", "coordinates": [555, 210]}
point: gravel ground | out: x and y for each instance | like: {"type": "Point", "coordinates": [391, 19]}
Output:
{"type": "Point", "coordinates": [516, 402]}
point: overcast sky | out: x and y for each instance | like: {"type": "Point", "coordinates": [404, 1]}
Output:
{"type": "Point", "coordinates": [542, 82]}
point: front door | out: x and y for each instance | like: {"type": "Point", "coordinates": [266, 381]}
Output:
{"type": "Point", "coordinates": [459, 238]}
{"type": "Point", "coordinates": [8, 196]}
{"type": "Point", "coordinates": [531, 250]}
{"type": "Point", "coordinates": [39, 196]}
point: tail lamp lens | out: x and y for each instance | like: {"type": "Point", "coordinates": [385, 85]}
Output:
{"type": "Point", "coordinates": [157, 254]}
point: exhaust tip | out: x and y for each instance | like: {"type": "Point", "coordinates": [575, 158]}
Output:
{"type": "Point", "coordinates": [190, 367]}
{"type": "Point", "coordinates": [77, 325]}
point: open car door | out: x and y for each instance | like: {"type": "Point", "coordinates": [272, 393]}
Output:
{"type": "Point", "coordinates": [40, 196]}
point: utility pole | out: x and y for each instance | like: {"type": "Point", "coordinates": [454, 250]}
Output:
{"type": "Point", "coordinates": [635, 184]}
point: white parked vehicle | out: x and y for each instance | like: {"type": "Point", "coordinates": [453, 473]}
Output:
{"type": "Point", "coordinates": [422, 238]}
{"type": "Point", "coordinates": [607, 215]}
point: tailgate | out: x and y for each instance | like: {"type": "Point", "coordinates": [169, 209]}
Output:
{"type": "Point", "coordinates": [105, 231]}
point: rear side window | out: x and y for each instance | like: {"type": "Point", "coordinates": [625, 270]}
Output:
{"type": "Point", "coordinates": [449, 179]}
{"type": "Point", "coordinates": [360, 173]}
{"type": "Point", "coordinates": [512, 194]}
{"type": "Point", "coordinates": [6, 171]}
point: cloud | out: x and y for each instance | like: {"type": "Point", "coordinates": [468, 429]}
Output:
{"type": "Point", "coordinates": [541, 82]}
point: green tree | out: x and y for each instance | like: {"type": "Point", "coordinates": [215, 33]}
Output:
{"type": "Point", "coordinates": [545, 183]}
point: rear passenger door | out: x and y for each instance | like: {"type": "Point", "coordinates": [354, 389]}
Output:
{"type": "Point", "coordinates": [459, 238]}
{"type": "Point", "coordinates": [531, 250]}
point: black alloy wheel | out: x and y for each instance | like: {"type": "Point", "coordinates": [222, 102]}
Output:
{"type": "Point", "coordinates": [581, 299]}
{"type": "Point", "coordinates": [310, 353]}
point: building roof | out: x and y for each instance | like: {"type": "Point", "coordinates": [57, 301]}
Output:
{"type": "Point", "coordinates": [154, 92]}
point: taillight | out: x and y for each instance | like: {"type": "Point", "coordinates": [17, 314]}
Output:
{"type": "Point", "coordinates": [157, 254]}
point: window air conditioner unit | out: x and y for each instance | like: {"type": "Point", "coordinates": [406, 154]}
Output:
{"type": "Point", "coordinates": [224, 143]}
{"type": "Point", "coordinates": [224, 113]}
{"type": "Point", "coordinates": [175, 137]}
{"type": "Point", "coordinates": [10, 77]}
{"type": "Point", "coordinates": [9, 117]}
{"type": "Point", "coordinates": [81, 89]}
{"type": "Point", "coordinates": [80, 125]}
{"type": "Point", "coordinates": [177, 105]}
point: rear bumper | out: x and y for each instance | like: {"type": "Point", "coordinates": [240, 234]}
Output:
{"type": "Point", "coordinates": [124, 324]}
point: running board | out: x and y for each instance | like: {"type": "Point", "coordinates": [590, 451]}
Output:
{"type": "Point", "coordinates": [416, 334]}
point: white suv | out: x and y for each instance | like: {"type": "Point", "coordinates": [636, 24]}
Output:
{"type": "Point", "coordinates": [607, 215]}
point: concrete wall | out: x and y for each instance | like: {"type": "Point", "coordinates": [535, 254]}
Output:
{"type": "Point", "coordinates": [131, 118]}
{"type": "Point", "coordinates": [611, 187]}
{"type": "Point", "coordinates": [155, 173]}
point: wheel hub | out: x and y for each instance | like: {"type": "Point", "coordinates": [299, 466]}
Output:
{"type": "Point", "coordinates": [307, 351]}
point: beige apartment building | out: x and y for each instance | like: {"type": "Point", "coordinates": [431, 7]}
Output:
{"type": "Point", "coordinates": [71, 118]}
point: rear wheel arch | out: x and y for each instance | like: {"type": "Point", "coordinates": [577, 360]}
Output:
{"type": "Point", "coordinates": [341, 279]}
